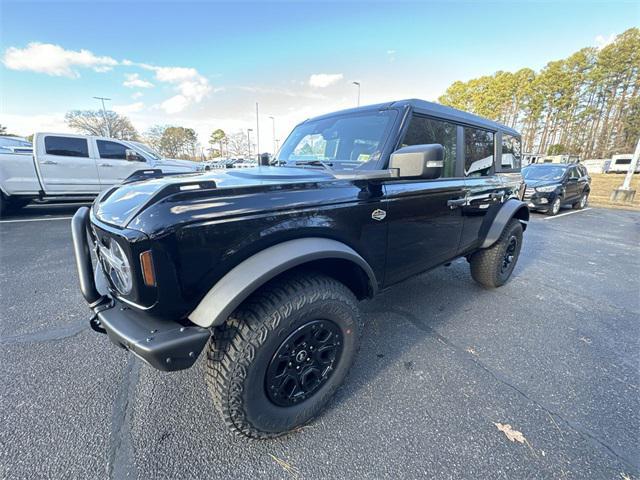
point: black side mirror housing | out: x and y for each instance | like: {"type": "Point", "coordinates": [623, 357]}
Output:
{"type": "Point", "coordinates": [265, 159]}
{"type": "Point", "coordinates": [423, 161]}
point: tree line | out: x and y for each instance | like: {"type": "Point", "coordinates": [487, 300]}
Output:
{"type": "Point", "coordinates": [586, 104]}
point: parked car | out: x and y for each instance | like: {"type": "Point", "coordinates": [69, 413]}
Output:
{"type": "Point", "coordinates": [551, 185]}
{"type": "Point", "coordinates": [75, 166]}
{"type": "Point", "coordinates": [266, 265]}
{"type": "Point", "coordinates": [621, 163]}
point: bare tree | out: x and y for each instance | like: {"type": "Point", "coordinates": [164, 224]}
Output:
{"type": "Point", "coordinates": [237, 145]}
{"type": "Point", "coordinates": [95, 122]}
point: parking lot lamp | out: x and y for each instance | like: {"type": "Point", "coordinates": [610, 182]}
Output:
{"type": "Point", "coordinates": [104, 114]}
{"type": "Point", "coordinates": [358, 85]}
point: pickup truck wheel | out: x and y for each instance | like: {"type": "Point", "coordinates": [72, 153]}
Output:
{"type": "Point", "coordinates": [276, 362]}
{"type": "Point", "coordinates": [493, 266]}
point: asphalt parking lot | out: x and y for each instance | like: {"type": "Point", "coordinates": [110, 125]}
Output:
{"type": "Point", "coordinates": [444, 366]}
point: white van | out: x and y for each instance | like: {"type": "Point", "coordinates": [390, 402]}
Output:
{"type": "Point", "coordinates": [620, 163]}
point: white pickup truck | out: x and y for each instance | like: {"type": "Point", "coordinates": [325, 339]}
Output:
{"type": "Point", "coordinates": [75, 166]}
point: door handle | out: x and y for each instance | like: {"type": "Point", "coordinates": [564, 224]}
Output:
{"type": "Point", "coordinates": [49, 162]}
{"type": "Point", "coordinates": [106, 165]}
{"type": "Point", "coordinates": [458, 202]}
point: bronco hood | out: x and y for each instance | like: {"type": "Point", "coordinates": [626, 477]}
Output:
{"type": "Point", "coordinates": [119, 205]}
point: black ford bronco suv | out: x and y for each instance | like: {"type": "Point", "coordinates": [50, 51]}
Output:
{"type": "Point", "coordinates": [263, 267]}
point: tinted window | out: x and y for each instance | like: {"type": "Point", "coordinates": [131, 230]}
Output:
{"type": "Point", "coordinates": [66, 146]}
{"type": "Point", "coordinates": [511, 152]}
{"type": "Point", "coordinates": [623, 161]}
{"type": "Point", "coordinates": [424, 131]}
{"type": "Point", "coordinates": [478, 152]}
{"type": "Point", "coordinates": [112, 150]}
{"type": "Point", "coordinates": [574, 173]}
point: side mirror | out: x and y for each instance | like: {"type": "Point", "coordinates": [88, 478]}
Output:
{"type": "Point", "coordinates": [132, 156]}
{"type": "Point", "coordinates": [423, 161]}
{"type": "Point", "coordinates": [264, 159]}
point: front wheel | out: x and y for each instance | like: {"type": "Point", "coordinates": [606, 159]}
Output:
{"type": "Point", "coordinates": [493, 266]}
{"type": "Point", "coordinates": [555, 207]}
{"type": "Point", "coordinates": [580, 204]}
{"type": "Point", "coordinates": [276, 362]}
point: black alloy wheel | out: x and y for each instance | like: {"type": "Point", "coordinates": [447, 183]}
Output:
{"type": "Point", "coordinates": [303, 362]}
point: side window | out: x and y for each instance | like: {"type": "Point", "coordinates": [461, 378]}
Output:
{"type": "Point", "coordinates": [511, 153]}
{"type": "Point", "coordinates": [113, 150]}
{"type": "Point", "coordinates": [66, 146]}
{"type": "Point", "coordinates": [573, 173]}
{"type": "Point", "coordinates": [478, 152]}
{"type": "Point", "coordinates": [424, 131]}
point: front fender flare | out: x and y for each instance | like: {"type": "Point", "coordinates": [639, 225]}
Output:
{"type": "Point", "coordinates": [242, 280]}
{"type": "Point", "coordinates": [511, 208]}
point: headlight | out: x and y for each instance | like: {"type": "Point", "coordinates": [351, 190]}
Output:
{"type": "Point", "coordinates": [548, 188]}
{"type": "Point", "coordinates": [117, 267]}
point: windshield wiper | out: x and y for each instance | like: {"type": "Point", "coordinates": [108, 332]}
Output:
{"type": "Point", "coordinates": [319, 163]}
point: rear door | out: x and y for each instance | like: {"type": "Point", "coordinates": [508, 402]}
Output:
{"type": "Point", "coordinates": [66, 166]}
{"type": "Point", "coordinates": [113, 166]}
{"type": "Point", "coordinates": [424, 230]}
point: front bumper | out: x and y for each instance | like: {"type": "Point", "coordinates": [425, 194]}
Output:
{"type": "Point", "coordinates": [539, 200]}
{"type": "Point", "coordinates": [165, 345]}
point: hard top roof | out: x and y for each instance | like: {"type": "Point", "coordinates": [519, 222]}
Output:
{"type": "Point", "coordinates": [434, 110]}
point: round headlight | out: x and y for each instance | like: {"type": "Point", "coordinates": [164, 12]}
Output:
{"type": "Point", "coordinates": [119, 268]}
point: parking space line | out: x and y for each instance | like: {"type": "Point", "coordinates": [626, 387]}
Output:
{"type": "Point", "coordinates": [35, 219]}
{"type": "Point", "coordinates": [568, 213]}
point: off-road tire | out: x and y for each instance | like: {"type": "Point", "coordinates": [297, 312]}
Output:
{"type": "Point", "coordinates": [579, 205]}
{"type": "Point", "coordinates": [240, 351]}
{"type": "Point", "coordinates": [486, 264]}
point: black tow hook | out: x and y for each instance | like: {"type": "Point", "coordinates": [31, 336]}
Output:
{"type": "Point", "coordinates": [94, 321]}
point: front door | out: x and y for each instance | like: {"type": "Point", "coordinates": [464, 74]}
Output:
{"type": "Point", "coordinates": [424, 218]}
{"type": "Point", "coordinates": [424, 225]}
{"type": "Point", "coordinates": [571, 186]}
{"type": "Point", "coordinates": [65, 165]}
{"type": "Point", "coordinates": [112, 162]}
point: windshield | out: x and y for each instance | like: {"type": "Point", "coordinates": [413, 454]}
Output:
{"type": "Point", "coordinates": [342, 141]}
{"type": "Point", "coordinates": [543, 172]}
{"type": "Point", "coordinates": [148, 150]}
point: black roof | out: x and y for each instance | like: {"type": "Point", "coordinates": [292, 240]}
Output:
{"type": "Point", "coordinates": [435, 110]}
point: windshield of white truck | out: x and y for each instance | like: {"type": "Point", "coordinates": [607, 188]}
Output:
{"type": "Point", "coordinates": [339, 142]}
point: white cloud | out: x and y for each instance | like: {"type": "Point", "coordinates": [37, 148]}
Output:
{"type": "Point", "coordinates": [190, 85]}
{"type": "Point", "coordinates": [602, 41]}
{"type": "Point", "coordinates": [391, 56]}
{"type": "Point", "coordinates": [133, 80]}
{"type": "Point", "coordinates": [322, 80]}
{"type": "Point", "coordinates": [128, 108]}
{"type": "Point", "coordinates": [136, 95]}
{"type": "Point", "coordinates": [54, 60]}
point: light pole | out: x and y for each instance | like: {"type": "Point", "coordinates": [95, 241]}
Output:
{"type": "Point", "coordinates": [257, 132]}
{"type": "Point", "coordinates": [249, 130]}
{"type": "Point", "coordinates": [104, 114]}
{"type": "Point", "coordinates": [358, 85]}
{"type": "Point", "coordinates": [273, 124]}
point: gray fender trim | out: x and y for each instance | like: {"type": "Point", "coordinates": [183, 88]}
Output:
{"type": "Point", "coordinates": [242, 280]}
{"type": "Point", "coordinates": [500, 220]}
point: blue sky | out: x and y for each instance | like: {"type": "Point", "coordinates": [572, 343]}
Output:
{"type": "Point", "coordinates": [205, 64]}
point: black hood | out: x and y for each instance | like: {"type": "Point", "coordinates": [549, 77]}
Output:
{"type": "Point", "coordinates": [120, 204]}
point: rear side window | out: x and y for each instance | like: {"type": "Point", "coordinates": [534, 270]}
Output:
{"type": "Point", "coordinates": [478, 152]}
{"type": "Point", "coordinates": [425, 131]}
{"type": "Point", "coordinates": [511, 153]}
{"type": "Point", "coordinates": [623, 161]}
{"type": "Point", "coordinates": [66, 146]}
{"type": "Point", "coordinates": [113, 150]}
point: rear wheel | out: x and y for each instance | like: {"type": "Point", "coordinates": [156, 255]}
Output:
{"type": "Point", "coordinates": [276, 362]}
{"type": "Point", "coordinates": [493, 266]}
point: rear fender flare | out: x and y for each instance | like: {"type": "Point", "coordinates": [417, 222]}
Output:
{"type": "Point", "coordinates": [242, 280]}
{"type": "Point", "coordinates": [496, 224]}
